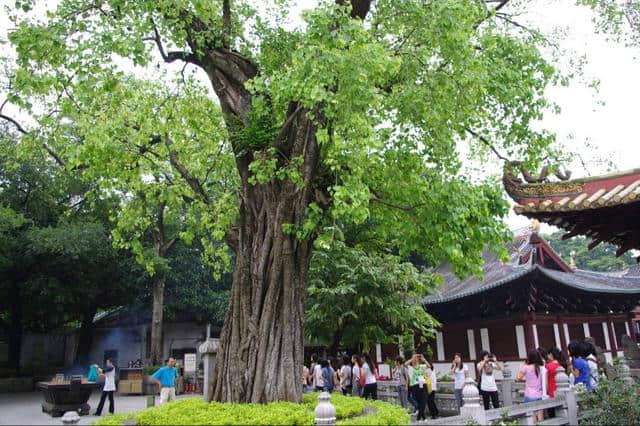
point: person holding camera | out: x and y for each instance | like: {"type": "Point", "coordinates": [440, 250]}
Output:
{"type": "Point", "coordinates": [460, 372]}
{"type": "Point", "coordinates": [488, 386]}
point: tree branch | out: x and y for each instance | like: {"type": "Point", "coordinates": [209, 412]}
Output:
{"type": "Point", "coordinates": [191, 180]}
{"type": "Point", "coordinates": [487, 143]}
{"type": "Point", "coordinates": [15, 123]}
{"type": "Point", "coordinates": [173, 55]}
{"type": "Point", "coordinates": [359, 8]}
{"type": "Point", "coordinates": [226, 23]}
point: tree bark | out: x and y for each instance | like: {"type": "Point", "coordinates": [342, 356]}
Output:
{"type": "Point", "coordinates": [156, 318]}
{"type": "Point", "coordinates": [15, 328]}
{"type": "Point", "coordinates": [85, 337]}
{"type": "Point", "coordinates": [262, 344]}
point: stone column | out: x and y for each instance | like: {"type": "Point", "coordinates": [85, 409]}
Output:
{"type": "Point", "coordinates": [208, 349]}
{"type": "Point", "coordinates": [472, 407]}
{"type": "Point", "coordinates": [325, 412]}
{"type": "Point", "coordinates": [625, 371]}
{"type": "Point", "coordinates": [570, 408]}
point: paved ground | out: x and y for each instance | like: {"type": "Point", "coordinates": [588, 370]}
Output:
{"type": "Point", "coordinates": [25, 409]}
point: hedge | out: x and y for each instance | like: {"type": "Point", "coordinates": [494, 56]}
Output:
{"type": "Point", "coordinates": [194, 411]}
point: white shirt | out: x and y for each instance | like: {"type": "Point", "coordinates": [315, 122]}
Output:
{"type": "Point", "coordinates": [487, 381]}
{"type": "Point", "coordinates": [458, 382]}
{"type": "Point", "coordinates": [369, 378]}
{"type": "Point", "coordinates": [317, 374]}
{"type": "Point", "coordinates": [434, 379]}
{"type": "Point", "coordinates": [109, 380]}
{"type": "Point", "coordinates": [345, 376]}
{"type": "Point", "coordinates": [355, 373]}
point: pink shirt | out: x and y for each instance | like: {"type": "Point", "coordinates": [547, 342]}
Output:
{"type": "Point", "coordinates": [533, 382]}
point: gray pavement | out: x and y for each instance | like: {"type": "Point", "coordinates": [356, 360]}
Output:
{"type": "Point", "coordinates": [24, 408]}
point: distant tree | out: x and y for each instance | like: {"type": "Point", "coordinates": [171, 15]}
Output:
{"type": "Point", "coordinates": [356, 298]}
{"type": "Point", "coordinates": [602, 258]}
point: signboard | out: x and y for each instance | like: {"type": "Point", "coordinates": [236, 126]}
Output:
{"type": "Point", "coordinates": [189, 363]}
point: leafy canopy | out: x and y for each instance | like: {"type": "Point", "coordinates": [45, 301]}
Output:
{"type": "Point", "coordinates": [393, 98]}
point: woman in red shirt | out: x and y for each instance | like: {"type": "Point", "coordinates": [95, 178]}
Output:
{"type": "Point", "coordinates": [555, 359]}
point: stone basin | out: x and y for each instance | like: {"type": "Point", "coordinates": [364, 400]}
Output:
{"type": "Point", "coordinates": [66, 396]}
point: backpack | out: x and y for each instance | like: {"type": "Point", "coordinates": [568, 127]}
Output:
{"type": "Point", "coordinates": [327, 375]}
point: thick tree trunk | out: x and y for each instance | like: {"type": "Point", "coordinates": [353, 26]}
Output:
{"type": "Point", "coordinates": [156, 318]}
{"type": "Point", "coordinates": [85, 337]}
{"type": "Point", "coordinates": [15, 328]}
{"type": "Point", "coordinates": [262, 344]}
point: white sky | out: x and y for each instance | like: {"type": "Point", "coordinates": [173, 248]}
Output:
{"type": "Point", "coordinates": [607, 121]}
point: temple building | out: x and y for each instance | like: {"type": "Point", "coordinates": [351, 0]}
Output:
{"type": "Point", "coordinates": [533, 299]}
{"type": "Point", "coordinates": [604, 208]}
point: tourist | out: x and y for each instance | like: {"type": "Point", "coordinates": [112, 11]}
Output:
{"type": "Point", "coordinates": [408, 355]}
{"type": "Point", "coordinates": [305, 379]}
{"type": "Point", "coordinates": [589, 350]}
{"type": "Point", "coordinates": [368, 377]}
{"type": "Point", "coordinates": [165, 377]}
{"type": "Point", "coordinates": [579, 366]}
{"type": "Point", "coordinates": [459, 372]}
{"type": "Point", "coordinates": [92, 375]}
{"type": "Point", "coordinates": [488, 387]}
{"type": "Point", "coordinates": [318, 377]}
{"type": "Point", "coordinates": [416, 385]}
{"type": "Point", "coordinates": [555, 359]}
{"type": "Point", "coordinates": [333, 362]}
{"type": "Point", "coordinates": [533, 375]}
{"type": "Point", "coordinates": [431, 392]}
{"type": "Point", "coordinates": [399, 374]}
{"type": "Point", "coordinates": [345, 376]}
{"type": "Point", "coordinates": [327, 376]}
{"type": "Point", "coordinates": [356, 389]}
{"type": "Point", "coordinates": [109, 373]}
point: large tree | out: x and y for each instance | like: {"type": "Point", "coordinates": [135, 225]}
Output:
{"type": "Point", "coordinates": [358, 112]}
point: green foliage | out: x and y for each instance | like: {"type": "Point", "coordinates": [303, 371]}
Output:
{"type": "Point", "coordinates": [194, 411]}
{"type": "Point", "coordinates": [391, 106]}
{"type": "Point", "coordinates": [356, 298]}
{"type": "Point", "coordinates": [385, 414]}
{"type": "Point", "coordinates": [612, 402]}
{"type": "Point", "coordinates": [602, 258]}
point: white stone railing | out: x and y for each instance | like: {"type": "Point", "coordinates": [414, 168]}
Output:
{"type": "Point", "coordinates": [564, 404]}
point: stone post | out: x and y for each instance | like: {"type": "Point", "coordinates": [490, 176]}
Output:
{"type": "Point", "coordinates": [208, 349]}
{"type": "Point", "coordinates": [325, 411]}
{"type": "Point", "coordinates": [70, 418]}
{"type": "Point", "coordinates": [570, 408]}
{"type": "Point", "coordinates": [624, 371]}
{"type": "Point", "coordinates": [507, 392]}
{"type": "Point", "coordinates": [472, 407]}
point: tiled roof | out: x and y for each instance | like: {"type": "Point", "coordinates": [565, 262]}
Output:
{"type": "Point", "coordinates": [581, 194]}
{"type": "Point", "coordinates": [520, 264]}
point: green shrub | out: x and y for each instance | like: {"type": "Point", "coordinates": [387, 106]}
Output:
{"type": "Point", "coordinates": [385, 414]}
{"type": "Point", "coordinates": [150, 369]}
{"type": "Point", "coordinates": [612, 402]}
{"type": "Point", "coordinates": [194, 411]}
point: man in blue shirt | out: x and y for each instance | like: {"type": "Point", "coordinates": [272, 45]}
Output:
{"type": "Point", "coordinates": [165, 377]}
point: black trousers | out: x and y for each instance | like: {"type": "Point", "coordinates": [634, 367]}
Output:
{"type": "Point", "coordinates": [370, 390]}
{"type": "Point", "coordinates": [490, 396]}
{"type": "Point", "coordinates": [431, 402]}
{"type": "Point", "coordinates": [346, 390]}
{"type": "Point", "coordinates": [420, 395]}
{"type": "Point", "coordinates": [102, 399]}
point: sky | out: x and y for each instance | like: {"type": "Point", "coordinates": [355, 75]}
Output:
{"type": "Point", "coordinates": [602, 125]}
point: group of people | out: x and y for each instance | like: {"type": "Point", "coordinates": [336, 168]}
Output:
{"type": "Point", "coordinates": [417, 379]}
{"type": "Point", "coordinates": [164, 377]}
{"type": "Point", "coordinates": [417, 384]}
{"type": "Point", "coordinates": [356, 375]}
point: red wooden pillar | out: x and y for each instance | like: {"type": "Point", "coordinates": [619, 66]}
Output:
{"type": "Point", "coordinates": [529, 320]}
